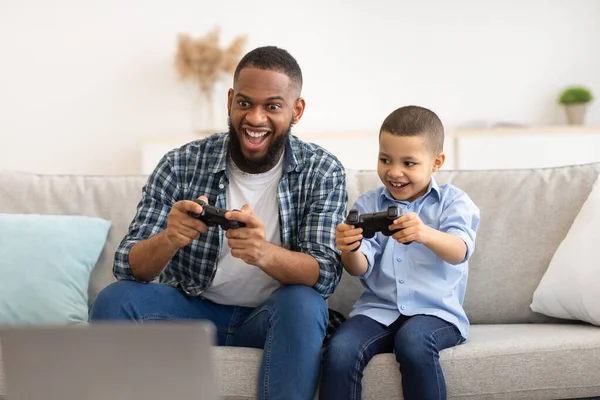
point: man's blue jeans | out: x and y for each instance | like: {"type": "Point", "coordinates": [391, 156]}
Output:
{"type": "Point", "coordinates": [290, 327]}
{"type": "Point", "coordinates": [416, 341]}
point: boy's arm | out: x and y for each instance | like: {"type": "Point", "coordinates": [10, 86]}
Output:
{"type": "Point", "coordinates": [448, 247]}
{"type": "Point", "coordinates": [360, 262]}
{"type": "Point", "coordinates": [454, 241]}
{"type": "Point", "coordinates": [316, 238]}
{"type": "Point", "coordinates": [355, 263]}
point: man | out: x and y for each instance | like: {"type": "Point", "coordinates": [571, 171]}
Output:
{"type": "Point", "coordinates": [262, 285]}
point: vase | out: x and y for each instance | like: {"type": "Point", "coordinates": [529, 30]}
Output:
{"type": "Point", "coordinates": [575, 113]}
{"type": "Point", "coordinates": [203, 115]}
{"type": "Point", "coordinates": [209, 111]}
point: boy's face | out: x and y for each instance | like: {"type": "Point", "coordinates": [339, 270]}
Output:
{"type": "Point", "coordinates": [406, 164]}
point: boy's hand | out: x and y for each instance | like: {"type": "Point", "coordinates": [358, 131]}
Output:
{"type": "Point", "coordinates": [413, 229]}
{"type": "Point", "coordinates": [347, 237]}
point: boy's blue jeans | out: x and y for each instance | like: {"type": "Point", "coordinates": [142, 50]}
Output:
{"type": "Point", "coordinates": [416, 341]}
{"type": "Point", "coordinates": [290, 327]}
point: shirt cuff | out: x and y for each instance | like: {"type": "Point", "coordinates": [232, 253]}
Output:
{"type": "Point", "coordinates": [466, 238]}
{"type": "Point", "coordinates": [366, 249]}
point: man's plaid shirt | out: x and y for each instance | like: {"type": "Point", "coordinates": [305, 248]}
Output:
{"type": "Point", "coordinates": [311, 195]}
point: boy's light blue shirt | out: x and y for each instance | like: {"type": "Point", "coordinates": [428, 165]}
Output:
{"type": "Point", "coordinates": [411, 279]}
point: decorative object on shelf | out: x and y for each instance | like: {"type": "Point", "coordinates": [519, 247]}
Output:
{"type": "Point", "coordinates": [575, 100]}
{"type": "Point", "coordinates": [205, 62]}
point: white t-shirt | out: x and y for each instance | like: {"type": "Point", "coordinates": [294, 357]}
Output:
{"type": "Point", "coordinates": [235, 282]}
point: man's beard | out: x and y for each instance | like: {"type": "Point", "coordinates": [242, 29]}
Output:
{"type": "Point", "coordinates": [263, 164]}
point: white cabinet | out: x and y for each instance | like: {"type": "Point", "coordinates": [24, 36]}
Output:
{"type": "Point", "coordinates": [504, 148]}
{"type": "Point", "coordinates": [496, 148]}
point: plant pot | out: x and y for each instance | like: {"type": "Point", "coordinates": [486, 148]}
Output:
{"type": "Point", "coordinates": [575, 113]}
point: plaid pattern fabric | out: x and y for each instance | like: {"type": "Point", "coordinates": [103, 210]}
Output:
{"type": "Point", "coordinates": [311, 195]}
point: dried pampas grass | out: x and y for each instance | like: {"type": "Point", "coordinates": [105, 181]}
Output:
{"type": "Point", "coordinates": [202, 60]}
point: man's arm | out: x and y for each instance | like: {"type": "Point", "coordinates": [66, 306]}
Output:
{"type": "Point", "coordinates": [317, 265]}
{"type": "Point", "coordinates": [290, 267]}
{"type": "Point", "coordinates": [250, 244]}
{"type": "Point", "coordinates": [149, 257]}
{"type": "Point", "coordinates": [160, 227]}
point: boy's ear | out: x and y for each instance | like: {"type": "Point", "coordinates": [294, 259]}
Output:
{"type": "Point", "coordinates": [438, 161]}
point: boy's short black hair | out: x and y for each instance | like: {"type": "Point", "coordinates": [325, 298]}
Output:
{"type": "Point", "coordinates": [272, 58]}
{"type": "Point", "coordinates": [416, 121]}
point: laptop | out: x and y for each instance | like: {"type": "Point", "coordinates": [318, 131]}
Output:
{"type": "Point", "coordinates": [110, 361]}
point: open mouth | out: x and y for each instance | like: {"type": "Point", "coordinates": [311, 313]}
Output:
{"type": "Point", "coordinates": [398, 185]}
{"type": "Point", "coordinates": [255, 138]}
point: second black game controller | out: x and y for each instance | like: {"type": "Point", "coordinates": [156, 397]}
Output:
{"type": "Point", "coordinates": [371, 223]}
{"type": "Point", "coordinates": [213, 216]}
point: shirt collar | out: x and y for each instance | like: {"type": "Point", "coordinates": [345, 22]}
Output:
{"type": "Point", "coordinates": [219, 153]}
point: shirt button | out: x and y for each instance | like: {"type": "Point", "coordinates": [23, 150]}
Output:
{"type": "Point", "coordinates": [399, 259]}
{"type": "Point", "coordinates": [221, 186]}
{"type": "Point", "coordinates": [403, 307]}
{"type": "Point", "coordinates": [408, 206]}
{"type": "Point", "coordinates": [401, 281]}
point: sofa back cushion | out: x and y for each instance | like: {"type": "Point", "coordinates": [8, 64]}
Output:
{"type": "Point", "coordinates": [525, 214]}
{"type": "Point", "coordinates": [113, 198]}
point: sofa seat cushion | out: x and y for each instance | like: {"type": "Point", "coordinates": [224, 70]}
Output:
{"type": "Point", "coordinates": [521, 361]}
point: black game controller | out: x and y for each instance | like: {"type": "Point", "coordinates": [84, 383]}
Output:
{"type": "Point", "coordinates": [213, 216]}
{"type": "Point", "coordinates": [372, 223]}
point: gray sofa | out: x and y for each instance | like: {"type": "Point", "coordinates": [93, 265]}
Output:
{"type": "Point", "coordinates": [512, 352]}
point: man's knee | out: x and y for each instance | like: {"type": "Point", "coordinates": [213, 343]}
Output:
{"type": "Point", "coordinates": [301, 304]}
{"type": "Point", "coordinates": [113, 301]}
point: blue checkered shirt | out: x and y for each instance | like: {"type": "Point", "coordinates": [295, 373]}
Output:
{"type": "Point", "coordinates": [311, 195]}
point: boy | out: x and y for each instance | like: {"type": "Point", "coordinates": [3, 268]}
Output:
{"type": "Point", "coordinates": [414, 280]}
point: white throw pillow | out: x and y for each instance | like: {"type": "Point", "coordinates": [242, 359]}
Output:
{"type": "Point", "coordinates": [569, 288]}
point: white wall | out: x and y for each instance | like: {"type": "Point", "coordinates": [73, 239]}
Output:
{"type": "Point", "coordinates": [82, 83]}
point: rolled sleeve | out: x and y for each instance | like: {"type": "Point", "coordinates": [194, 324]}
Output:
{"type": "Point", "coordinates": [158, 195]}
{"type": "Point", "coordinates": [370, 247]}
{"type": "Point", "coordinates": [326, 210]}
{"type": "Point", "coordinates": [461, 218]}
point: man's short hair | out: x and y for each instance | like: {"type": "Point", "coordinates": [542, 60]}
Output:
{"type": "Point", "coordinates": [272, 58]}
{"type": "Point", "coordinates": [416, 121]}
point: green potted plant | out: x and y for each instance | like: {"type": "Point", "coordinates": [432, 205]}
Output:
{"type": "Point", "coordinates": [575, 100]}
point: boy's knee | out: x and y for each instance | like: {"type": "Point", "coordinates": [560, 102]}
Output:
{"type": "Point", "coordinates": [341, 354]}
{"type": "Point", "coordinates": [413, 345]}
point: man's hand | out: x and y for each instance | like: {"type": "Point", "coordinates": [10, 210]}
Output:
{"type": "Point", "coordinates": [347, 237]}
{"type": "Point", "coordinates": [413, 229]}
{"type": "Point", "coordinates": [182, 229]}
{"type": "Point", "coordinates": [248, 243]}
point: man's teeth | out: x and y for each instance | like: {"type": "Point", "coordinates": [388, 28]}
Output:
{"type": "Point", "coordinates": [256, 134]}
{"type": "Point", "coordinates": [398, 184]}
